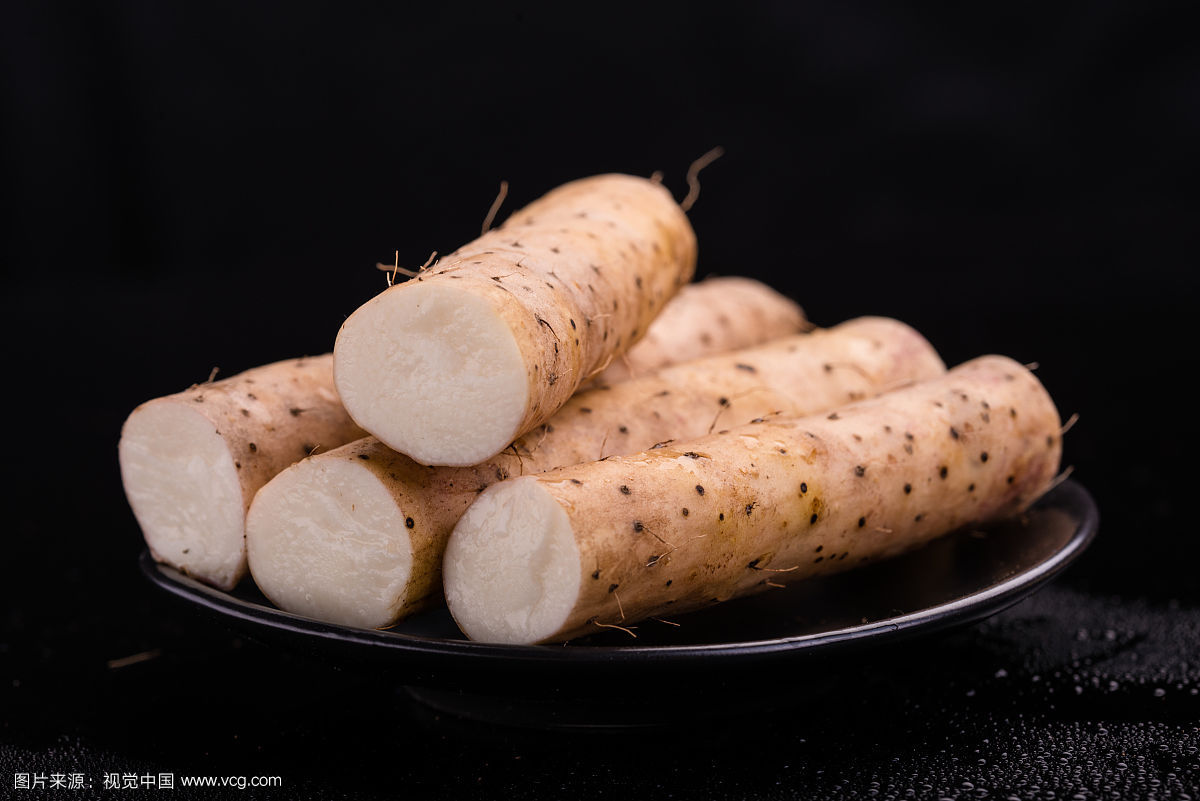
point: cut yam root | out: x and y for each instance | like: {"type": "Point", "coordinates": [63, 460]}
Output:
{"type": "Point", "coordinates": [550, 557]}
{"type": "Point", "coordinates": [192, 462]}
{"type": "Point", "coordinates": [356, 536]}
{"type": "Point", "coordinates": [191, 483]}
{"type": "Point", "coordinates": [451, 367]}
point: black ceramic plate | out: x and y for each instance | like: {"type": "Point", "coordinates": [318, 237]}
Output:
{"type": "Point", "coordinates": [956, 580]}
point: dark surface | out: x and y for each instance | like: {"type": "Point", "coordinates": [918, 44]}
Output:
{"type": "Point", "coordinates": [186, 186]}
{"type": "Point", "coordinates": [786, 643]}
{"type": "Point", "coordinates": [958, 579]}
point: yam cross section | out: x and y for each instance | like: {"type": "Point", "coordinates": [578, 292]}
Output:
{"type": "Point", "coordinates": [608, 543]}
{"type": "Point", "coordinates": [192, 462]}
{"type": "Point", "coordinates": [190, 471]}
{"type": "Point", "coordinates": [356, 535]}
{"type": "Point", "coordinates": [452, 366]}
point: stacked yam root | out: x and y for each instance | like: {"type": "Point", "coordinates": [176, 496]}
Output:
{"type": "Point", "coordinates": [356, 536]}
{"type": "Point", "coordinates": [539, 431]}
{"type": "Point", "coordinates": [192, 462]}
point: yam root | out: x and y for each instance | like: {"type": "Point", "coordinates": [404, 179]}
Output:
{"type": "Point", "coordinates": [451, 367]}
{"type": "Point", "coordinates": [549, 557]}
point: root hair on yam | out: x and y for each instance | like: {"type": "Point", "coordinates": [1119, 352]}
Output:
{"type": "Point", "coordinates": [133, 659]}
{"type": "Point", "coordinates": [538, 444]}
{"type": "Point", "coordinates": [212, 375]}
{"type": "Point", "coordinates": [650, 531]}
{"type": "Point", "coordinates": [516, 453]}
{"type": "Point", "coordinates": [393, 269]}
{"type": "Point", "coordinates": [1071, 421]}
{"type": "Point", "coordinates": [654, 560]}
{"type": "Point", "coordinates": [830, 366]}
{"type": "Point", "coordinates": [628, 630]}
{"type": "Point", "coordinates": [600, 369]}
{"type": "Point", "coordinates": [620, 607]}
{"type": "Point", "coordinates": [693, 177]}
{"type": "Point", "coordinates": [491, 215]}
{"type": "Point", "coordinates": [1060, 478]}
{"type": "Point", "coordinates": [728, 403]}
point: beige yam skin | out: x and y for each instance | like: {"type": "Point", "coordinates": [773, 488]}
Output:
{"type": "Point", "coordinates": [679, 528]}
{"type": "Point", "coordinates": [798, 375]}
{"type": "Point", "coordinates": [716, 315]}
{"type": "Point", "coordinates": [577, 276]}
{"type": "Point", "coordinates": [269, 418]}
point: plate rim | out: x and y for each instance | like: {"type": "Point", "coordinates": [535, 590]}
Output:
{"type": "Point", "coordinates": [960, 611]}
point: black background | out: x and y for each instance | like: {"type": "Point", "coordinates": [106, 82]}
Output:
{"type": "Point", "coordinates": [196, 185]}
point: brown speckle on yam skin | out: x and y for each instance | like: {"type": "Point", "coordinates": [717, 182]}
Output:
{"type": "Point", "coordinates": [902, 513]}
